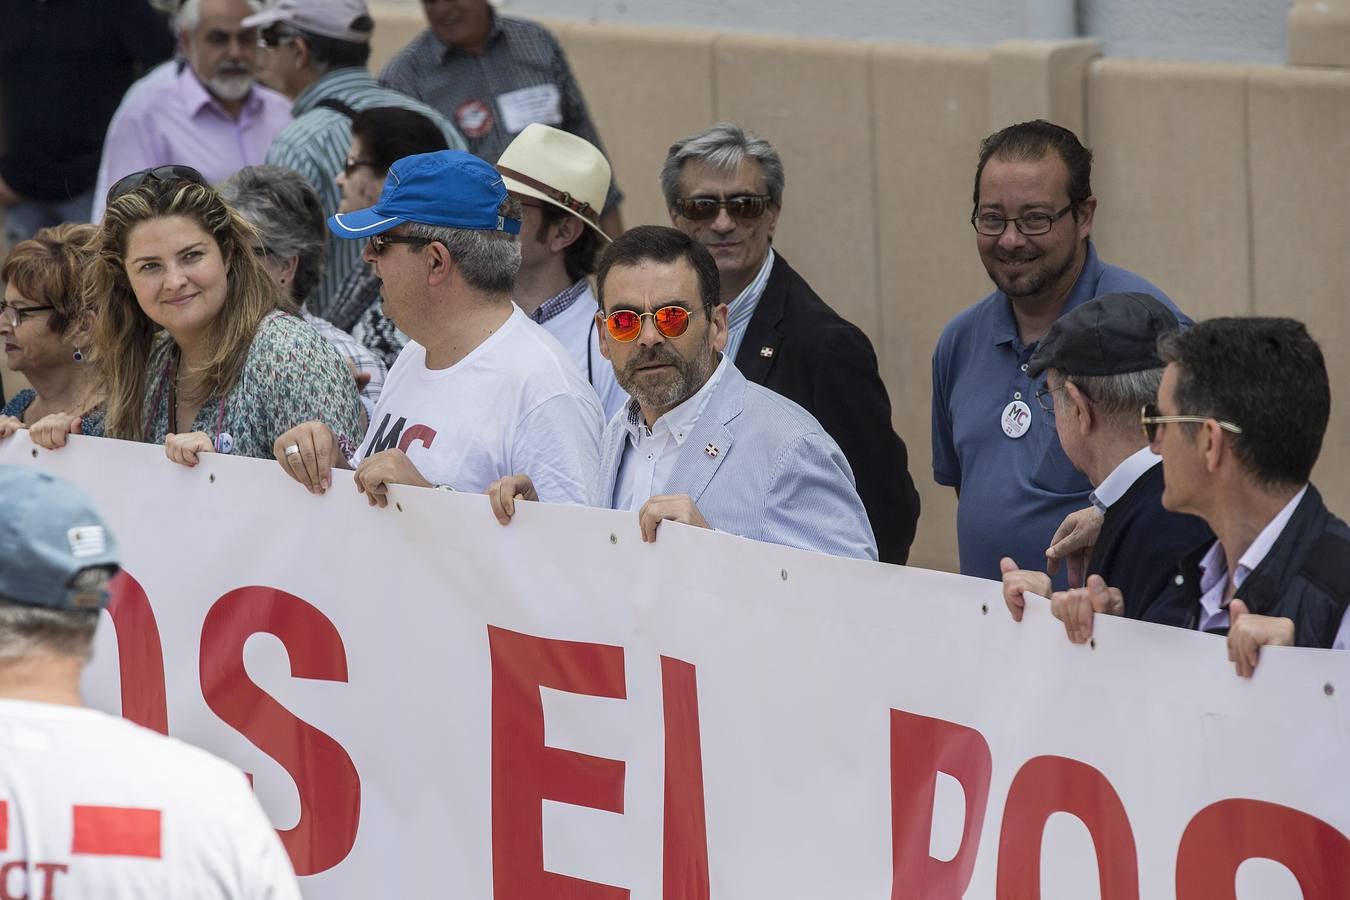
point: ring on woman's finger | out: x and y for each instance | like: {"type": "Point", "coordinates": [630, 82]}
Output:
{"type": "Point", "coordinates": [292, 450]}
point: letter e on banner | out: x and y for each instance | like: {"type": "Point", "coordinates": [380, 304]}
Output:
{"type": "Point", "coordinates": [1050, 784]}
{"type": "Point", "coordinates": [140, 654]}
{"type": "Point", "coordinates": [325, 778]}
{"type": "Point", "coordinates": [525, 772]}
{"type": "Point", "coordinates": [1225, 834]}
{"type": "Point", "coordinates": [920, 748]}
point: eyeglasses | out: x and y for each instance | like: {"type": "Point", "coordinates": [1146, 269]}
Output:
{"type": "Point", "coordinates": [625, 324]}
{"type": "Point", "coordinates": [147, 176]}
{"type": "Point", "coordinates": [1149, 418]}
{"type": "Point", "coordinates": [351, 165]}
{"type": "Point", "coordinates": [15, 314]}
{"type": "Point", "coordinates": [273, 36]}
{"type": "Point", "coordinates": [380, 242]}
{"type": "Point", "coordinates": [992, 224]}
{"type": "Point", "coordinates": [741, 206]}
{"type": "Point", "coordinates": [1044, 396]}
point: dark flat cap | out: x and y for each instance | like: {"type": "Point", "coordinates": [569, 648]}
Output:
{"type": "Point", "coordinates": [1113, 334]}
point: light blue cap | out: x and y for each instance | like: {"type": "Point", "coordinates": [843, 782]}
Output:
{"type": "Point", "coordinates": [55, 549]}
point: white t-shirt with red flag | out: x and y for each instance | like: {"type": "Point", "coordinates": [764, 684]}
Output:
{"type": "Point", "coordinates": [92, 806]}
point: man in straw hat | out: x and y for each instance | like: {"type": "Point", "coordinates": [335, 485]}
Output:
{"type": "Point", "coordinates": [561, 180]}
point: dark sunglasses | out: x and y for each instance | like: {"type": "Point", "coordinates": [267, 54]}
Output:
{"type": "Point", "coordinates": [128, 184]}
{"type": "Point", "coordinates": [351, 165]}
{"type": "Point", "coordinates": [1149, 418]}
{"type": "Point", "coordinates": [624, 324]}
{"type": "Point", "coordinates": [741, 206]}
{"type": "Point", "coordinates": [273, 36]}
{"type": "Point", "coordinates": [381, 242]}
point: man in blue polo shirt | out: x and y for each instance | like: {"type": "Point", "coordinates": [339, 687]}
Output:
{"type": "Point", "coordinates": [991, 441]}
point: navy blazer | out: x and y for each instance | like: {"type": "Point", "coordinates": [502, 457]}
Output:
{"type": "Point", "coordinates": [797, 346]}
{"type": "Point", "coordinates": [758, 465]}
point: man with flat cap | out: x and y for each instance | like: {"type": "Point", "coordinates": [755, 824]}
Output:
{"type": "Point", "coordinates": [480, 391]}
{"type": "Point", "coordinates": [92, 805]}
{"type": "Point", "coordinates": [1101, 366]}
{"type": "Point", "coordinates": [561, 180]}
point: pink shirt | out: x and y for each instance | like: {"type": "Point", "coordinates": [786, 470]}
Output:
{"type": "Point", "coordinates": [176, 120]}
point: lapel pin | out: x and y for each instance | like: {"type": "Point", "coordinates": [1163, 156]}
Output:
{"type": "Point", "coordinates": [712, 450]}
{"type": "Point", "coordinates": [766, 352]}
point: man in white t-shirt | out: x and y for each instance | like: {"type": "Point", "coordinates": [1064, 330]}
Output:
{"type": "Point", "coordinates": [480, 391]}
{"type": "Point", "coordinates": [561, 181]}
{"type": "Point", "coordinates": [92, 805]}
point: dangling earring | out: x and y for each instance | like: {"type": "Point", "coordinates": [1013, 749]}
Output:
{"type": "Point", "coordinates": [78, 355]}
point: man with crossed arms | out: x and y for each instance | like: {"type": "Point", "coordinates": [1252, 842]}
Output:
{"type": "Point", "coordinates": [698, 443]}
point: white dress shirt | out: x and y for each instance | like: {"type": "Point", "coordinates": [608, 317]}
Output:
{"type": "Point", "coordinates": [1123, 477]}
{"type": "Point", "coordinates": [645, 468]}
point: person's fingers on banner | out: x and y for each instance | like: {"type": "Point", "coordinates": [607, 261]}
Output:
{"type": "Point", "coordinates": [1017, 582]}
{"type": "Point", "coordinates": [50, 432]}
{"type": "Point", "coordinates": [1248, 633]}
{"type": "Point", "coordinates": [504, 492]}
{"type": "Point", "coordinates": [306, 453]}
{"type": "Point", "coordinates": [185, 448]}
{"type": "Point", "coordinates": [9, 425]}
{"type": "Point", "coordinates": [668, 507]}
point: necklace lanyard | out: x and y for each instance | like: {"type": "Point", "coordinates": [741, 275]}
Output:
{"type": "Point", "coordinates": [169, 377]}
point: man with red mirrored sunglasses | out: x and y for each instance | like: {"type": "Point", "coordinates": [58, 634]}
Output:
{"type": "Point", "coordinates": [698, 443]}
{"type": "Point", "coordinates": [724, 188]}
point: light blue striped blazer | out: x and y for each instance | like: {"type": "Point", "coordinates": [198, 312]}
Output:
{"type": "Point", "coordinates": [758, 465]}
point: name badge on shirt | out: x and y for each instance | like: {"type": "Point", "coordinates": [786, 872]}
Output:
{"type": "Point", "coordinates": [541, 103]}
{"type": "Point", "coordinates": [1016, 419]}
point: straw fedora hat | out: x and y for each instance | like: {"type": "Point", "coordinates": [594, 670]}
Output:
{"type": "Point", "coordinates": [559, 168]}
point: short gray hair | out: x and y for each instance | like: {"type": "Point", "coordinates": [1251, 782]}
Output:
{"type": "Point", "coordinates": [27, 630]}
{"type": "Point", "coordinates": [286, 212]}
{"type": "Point", "coordinates": [723, 147]}
{"type": "Point", "coordinates": [1120, 396]}
{"type": "Point", "coordinates": [189, 15]}
{"type": "Point", "coordinates": [488, 260]}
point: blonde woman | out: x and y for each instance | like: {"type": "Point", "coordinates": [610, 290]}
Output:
{"type": "Point", "coordinates": [46, 330]}
{"type": "Point", "coordinates": [198, 349]}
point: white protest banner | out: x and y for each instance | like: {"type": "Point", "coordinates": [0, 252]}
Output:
{"type": "Point", "coordinates": [433, 705]}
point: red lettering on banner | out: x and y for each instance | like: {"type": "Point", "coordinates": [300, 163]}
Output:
{"type": "Point", "coordinates": [140, 654]}
{"type": "Point", "coordinates": [423, 434]}
{"type": "Point", "coordinates": [1050, 784]}
{"type": "Point", "coordinates": [4, 825]}
{"type": "Point", "coordinates": [920, 748]}
{"type": "Point", "coordinates": [20, 866]}
{"type": "Point", "coordinates": [1223, 835]}
{"type": "Point", "coordinates": [326, 779]}
{"type": "Point", "coordinates": [684, 871]}
{"type": "Point", "coordinates": [49, 871]}
{"type": "Point", "coordinates": [525, 772]}
{"type": "Point", "coordinates": [116, 831]}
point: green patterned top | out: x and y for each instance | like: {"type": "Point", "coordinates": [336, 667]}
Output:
{"type": "Point", "coordinates": [291, 375]}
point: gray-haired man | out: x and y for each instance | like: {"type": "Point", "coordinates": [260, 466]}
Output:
{"type": "Point", "coordinates": [149, 815]}
{"type": "Point", "coordinates": [724, 188]}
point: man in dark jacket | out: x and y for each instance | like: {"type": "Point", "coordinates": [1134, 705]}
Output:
{"type": "Point", "coordinates": [724, 188]}
{"type": "Point", "coordinates": [1101, 365]}
{"type": "Point", "coordinates": [1241, 412]}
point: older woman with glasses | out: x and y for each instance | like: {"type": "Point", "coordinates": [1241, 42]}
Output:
{"type": "Point", "coordinates": [47, 326]}
{"type": "Point", "coordinates": [286, 212]}
{"type": "Point", "coordinates": [198, 344]}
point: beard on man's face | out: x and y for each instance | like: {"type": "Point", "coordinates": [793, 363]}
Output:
{"type": "Point", "coordinates": [672, 386]}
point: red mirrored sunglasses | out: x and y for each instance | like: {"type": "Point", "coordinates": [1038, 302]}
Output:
{"type": "Point", "coordinates": [624, 324]}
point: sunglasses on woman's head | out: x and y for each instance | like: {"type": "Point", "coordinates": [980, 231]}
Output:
{"type": "Point", "coordinates": [624, 324]}
{"type": "Point", "coordinates": [157, 174]}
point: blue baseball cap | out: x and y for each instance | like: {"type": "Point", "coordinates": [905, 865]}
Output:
{"type": "Point", "coordinates": [55, 549]}
{"type": "Point", "coordinates": [449, 187]}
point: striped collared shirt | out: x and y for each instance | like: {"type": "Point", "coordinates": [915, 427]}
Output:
{"type": "Point", "coordinates": [743, 306]}
{"type": "Point", "coordinates": [559, 303]}
{"type": "Point", "coordinates": [315, 144]}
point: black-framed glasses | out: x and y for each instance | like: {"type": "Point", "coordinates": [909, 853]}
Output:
{"type": "Point", "coordinates": [381, 242]}
{"type": "Point", "coordinates": [1032, 223]}
{"type": "Point", "coordinates": [741, 206]}
{"type": "Point", "coordinates": [130, 182]}
{"type": "Point", "coordinates": [1150, 420]}
{"type": "Point", "coordinates": [349, 166]}
{"type": "Point", "coordinates": [273, 36]}
{"type": "Point", "coordinates": [16, 314]}
{"type": "Point", "coordinates": [1045, 396]}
